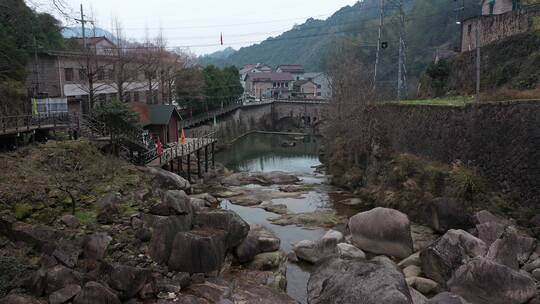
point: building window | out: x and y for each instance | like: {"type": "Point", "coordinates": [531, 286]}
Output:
{"type": "Point", "coordinates": [275, 84]}
{"type": "Point", "coordinates": [516, 5]}
{"type": "Point", "coordinates": [100, 74]}
{"type": "Point", "coordinates": [491, 6]}
{"type": "Point", "coordinates": [136, 96]}
{"type": "Point", "coordinates": [319, 86]}
{"type": "Point", "coordinates": [469, 29]}
{"type": "Point", "coordinates": [319, 94]}
{"type": "Point", "coordinates": [68, 74]}
{"type": "Point", "coordinates": [286, 84]}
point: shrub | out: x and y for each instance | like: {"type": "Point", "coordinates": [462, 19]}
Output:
{"type": "Point", "coordinates": [465, 182]}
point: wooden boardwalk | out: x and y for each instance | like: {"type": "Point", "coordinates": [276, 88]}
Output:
{"type": "Point", "coordinates": [13, 125]}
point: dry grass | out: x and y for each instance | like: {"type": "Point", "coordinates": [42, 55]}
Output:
{"type": "Point", "coordinates": [29, 178]}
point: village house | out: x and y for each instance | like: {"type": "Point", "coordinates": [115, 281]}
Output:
{"type": "Point", "coordinates": [269, 85]}
{"type": "Point", "coordinates": [297, 70]}
{"type": "Point", "coordinates": [305, 89]}
{"type": "Point", "coordinates": [64, 74]}
{"type": "Point", "coordinates": [500, 19]}
{"type": "Point", "coordinates": [253, 68]}
{"type": "Point", "coordinates": [324, 90]}
{"type": "Point", "coordinates": [161, 121]}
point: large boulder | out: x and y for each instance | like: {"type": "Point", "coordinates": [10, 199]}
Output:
{"type": "Point", "coordinates": [314, 252]}
{"type": "Point", "coordinates": [447, 298]}
{"type": "Point", "coordinates": [93, 293]}
{"type": "Point", "coordinates": [128, 281]}
{"type": "Point", "coordinates": [482, 281]}
{"type": "Point", "coordinates": [485, 216]}
{"type": "Point", "coordinates": [227, 220]}
{"type": "Point", "coordinates": [440, 259]}
{"type": "Point", "coordinates": [168, 180]}
{"type": "Point", "coordinates": [489, 232]}
{"type": "Point", "coordinates": [68, 251]}
{"type": "Point", "coordinates": [163, 231]}
{"type": "Point", "coordinates": [64, 295]}
{"type": "Point", "coordinates": [20, 299]}
{"type": "Point", "coordinates": [198, 251]}
{"type": "Point", "coordinates": [446, 213]}
{"type": "Point", "coordinates": [108, 208]}
{"type": "Point", "coordinates": [173, 202]}
{"type": "Point", "coordinates": [358, 281]}
{"type": "Point", "coordinates": [259, 240]}
{"type": "Point", "coordinates": [59, 277]}
{"type": "Point", "coordinates": [512, 249]}
{"type": "Point", "coordinates": [260, 294]}
{"type": "Point", "coordinates": [41, 236]}
{"type": "Point", "coordinates": [95, 245]}
{"type": "Point", "coordinates": [382, 231]}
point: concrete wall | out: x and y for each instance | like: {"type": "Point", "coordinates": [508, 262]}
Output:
{"type": "Point", "coordinates": [501, 139]}
{"type": "Point", "coordinates": [237, 123]}
{"type": "Point", "coordinates": [497, 27]}
{"type": "Point", "coordinates": [500, 7]}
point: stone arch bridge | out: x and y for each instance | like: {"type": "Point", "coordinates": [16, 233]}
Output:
{"type": "Point", "coordinates": [312, 112]}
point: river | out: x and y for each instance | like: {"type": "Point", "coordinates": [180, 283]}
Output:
{"type": "Point", "coordinates": [258, 152]}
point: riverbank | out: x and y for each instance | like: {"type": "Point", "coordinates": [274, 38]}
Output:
{"type": "Point", "coordinates": [268, 230]}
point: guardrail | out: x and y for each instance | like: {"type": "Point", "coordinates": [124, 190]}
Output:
{"type": "Point", "coordinates": [22, 123]}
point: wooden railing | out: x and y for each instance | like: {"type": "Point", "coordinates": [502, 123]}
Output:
{"type": "Point", "coordinates": [25, 123]}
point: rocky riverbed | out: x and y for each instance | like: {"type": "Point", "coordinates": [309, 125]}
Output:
{"type": "Point", "coordinates": [262, 237]}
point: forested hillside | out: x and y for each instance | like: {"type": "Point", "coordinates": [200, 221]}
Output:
{"type": "Point", "coordinates": [429, 25]}
{"type": "Point", "coordinates": [21, 31]}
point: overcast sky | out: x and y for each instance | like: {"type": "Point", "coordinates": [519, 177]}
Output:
{"type": "Point", "coordinates": [197, 24]}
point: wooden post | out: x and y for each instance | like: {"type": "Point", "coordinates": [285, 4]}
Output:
{"type": "Point", "coordinates": [199, 163]}
{"type": "Point", "coordinates": [189, 167]}
{"type": "Point", "coordinates": [213, 155]}
{"type": "Point", "coordinates": [206, 158]}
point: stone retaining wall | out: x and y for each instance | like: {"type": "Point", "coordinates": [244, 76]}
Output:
{"type": "Point", "coordinates": [501, 139]}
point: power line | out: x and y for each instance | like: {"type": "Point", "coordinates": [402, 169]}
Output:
{"type": "Point", "coordinates": [355, 30]}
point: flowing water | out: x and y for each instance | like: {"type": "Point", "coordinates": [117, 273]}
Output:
{"type": "Point", "coordinates": [264, 153]}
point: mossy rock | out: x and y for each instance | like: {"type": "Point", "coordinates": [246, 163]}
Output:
{"type": "Point", "coordinates": [22, 211]}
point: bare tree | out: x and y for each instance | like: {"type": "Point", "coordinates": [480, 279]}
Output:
{"type": "Point", "coordinates": [127, 66]}
{"type": "Point", "coordinates": [352, 116]}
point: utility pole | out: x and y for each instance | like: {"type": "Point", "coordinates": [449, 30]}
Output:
{"type": "Point", "coordinates": [83, 24]}
{"type": "Point", "coordinates": [402, 69]}
{"type": "Point", "coordinates": [378, 54]}
{"type": "Point", "coordinates": [36, 69]}
{"type": "Point", "coordinates": [478, 59]}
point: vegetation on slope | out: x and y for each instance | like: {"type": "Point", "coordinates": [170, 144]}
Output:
{"type": "Point", "coordinates": [509, 71]}
{"type": "Point", "coordinates": [21, 31]}
{"type": "Point", "coordinates": [430, 25]}
{"type": "Point", "coordinates": [39, 184]}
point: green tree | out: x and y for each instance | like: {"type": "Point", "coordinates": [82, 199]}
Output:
{"type": "Point", "coordinates": [118, 119]}
{"type": "Point", "coordinates": [22, 31]}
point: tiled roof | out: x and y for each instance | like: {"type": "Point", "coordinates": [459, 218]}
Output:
{"type": "Point", "coordinates": [154, 114]}
{"type": "Point", "coordinates": [273, 76]}
{"type": "Point", "coordinates": [292, 68]}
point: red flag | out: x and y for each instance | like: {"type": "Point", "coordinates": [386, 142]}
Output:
{"type": "Point", "coordinates": [221, 38]}
{"type": "Point", "coordinates": [159, 147]}
{"type": "Point", "coordinates": [183, 137]}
